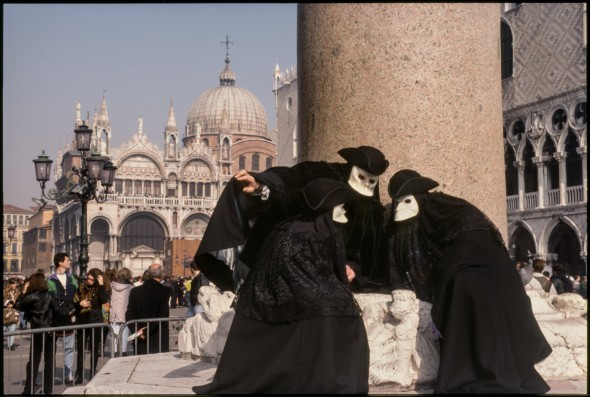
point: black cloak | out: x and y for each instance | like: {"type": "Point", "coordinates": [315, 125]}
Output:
{"type": "Point", "coordinates": [297, 327]}
{"type": "Point", "coordinates": [490, 339]}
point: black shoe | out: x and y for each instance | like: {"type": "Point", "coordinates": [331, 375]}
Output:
{"type": "Point", "coordinates": [78, 381]}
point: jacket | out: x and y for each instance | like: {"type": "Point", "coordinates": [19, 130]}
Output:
{"type": "Point", "coordinates": [36, 306]}
{"type": "Point", "coordinates": [56, 288]}
{"type": "Point", "coordinates": [119, 300]}
{"type": "Point", "coordinates": [92, 315]}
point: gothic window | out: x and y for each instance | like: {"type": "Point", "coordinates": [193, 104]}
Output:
{"type": "Point", "coordinates": [255, 162]}
{"type": "Point", "coordinates": [200, 189]}
{"type": "Point", "coordinates": [511, 173]}
{"type": "Point", "coordinates": [118, 186]}
{"type": "Point", "coordinates": [192, 189]}
{"type": "Point", "coordinates": [242, 163]}
{"type": "Point", "coordinates": [573, 160]}
{"type": "Point", "coordinates": [175, 219]}
{"type": "Point", "coordinates": [144, 230]}
{"type": "Point", "coordinates": [558, 120]}
{"type": "Point", "coordinates": [225, 151]}
{"type": "Point", "coordinates": [580, 115]}
{"type": "Point", "coordinates": [551, 165]}
{"type": "Point", "coordinates": [171, 146]}
{"type": "Point", "coordinates": [207, 190]}
{"type": "Point", "coordinates": [530, 170]}
{"type": "Point", "coordinates": [137, 189]}
{"type": "Point", "coordinates": [128, 187]}
{"type": "Point", "coordinates": [506, 49]}
{"type": "Point", "coordinates": [157, 188]}
{"type": "Point", "coordinates": [268, 162]}
{"type": "Point", "coordinates": [184, 189]}
{"type": "Point", "coordinates": [147, 188]}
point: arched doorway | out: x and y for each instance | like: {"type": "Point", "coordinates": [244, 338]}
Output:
{"type": "Point", "coordinates": [98, 244]}
{"type": "Point", "coordinates": [564, 245]}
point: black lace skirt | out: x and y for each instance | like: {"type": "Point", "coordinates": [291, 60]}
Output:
{"type": "Point", "coordinates": [320, 355]}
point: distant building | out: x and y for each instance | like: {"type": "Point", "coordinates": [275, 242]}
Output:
{"type": "Point", "coordinates": [162, 198]}
{"type": "Point", "coordinates": [37, 245]}
{"type": "Point", "coordinates": [545, 129]}
{"type": "Point", "coordinates": [286, 100]}
{"type": "Point", "coordinates": [13, 249]}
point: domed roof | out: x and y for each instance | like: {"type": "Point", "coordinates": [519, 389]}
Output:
{"type": "Point", "coordinates": [227, 109]}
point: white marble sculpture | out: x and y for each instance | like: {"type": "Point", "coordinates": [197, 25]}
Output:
{"type": "Point", "coordinates": [402, 340]}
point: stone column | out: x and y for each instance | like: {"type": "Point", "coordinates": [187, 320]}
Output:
{"type": "Point", "coordinates": [583, 152]}
{"type": "Point", "coordinates": [560, 157]}
{"type": "Point", "coordinates": [520, 166]}
{"type": "Point", "coordinates": [421, 82]}
{"type": "Point", "coordinates": [541, 180]}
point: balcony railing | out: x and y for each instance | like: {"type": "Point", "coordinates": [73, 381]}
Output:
{"type": "Point", "coordinates": [573, 194]}
{"type": "Point", "coordinates": [163, 201]}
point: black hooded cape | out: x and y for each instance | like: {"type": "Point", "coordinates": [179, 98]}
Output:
{"type": "Point", "coordinates": [490, 339]}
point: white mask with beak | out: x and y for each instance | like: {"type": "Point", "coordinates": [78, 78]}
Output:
{"type": "Point", "coordinates": [339, 214]}
{"type": "Point", "coordinates": [362, 181]}
{"type": "Point", "coordinates": [406, 207]}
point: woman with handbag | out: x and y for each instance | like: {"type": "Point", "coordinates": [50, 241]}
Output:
{"type": "Point", "coordinates": [89, 298]}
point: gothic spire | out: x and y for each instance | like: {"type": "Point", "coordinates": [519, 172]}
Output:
{"type": "Point", "coordinates": [171, 124]}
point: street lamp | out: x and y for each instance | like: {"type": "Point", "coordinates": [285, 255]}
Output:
{"type": "Point", "coordinates": [11, 232]}
{"type": "Point", "coordinates": [95, 168]}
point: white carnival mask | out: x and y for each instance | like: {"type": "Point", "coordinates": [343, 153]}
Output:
{"type": "Point", "coordinates": [362, 181]}
{"type": "Point", "coordinates": [339, 214]}
{"type": "Point", "coordinates": [406, 207]}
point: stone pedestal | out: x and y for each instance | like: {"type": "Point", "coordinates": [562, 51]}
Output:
{"type": "Point", "coordinates": [421, 82]}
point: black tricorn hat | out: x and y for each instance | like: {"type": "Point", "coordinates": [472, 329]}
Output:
{"type": "Point", "coordinates": [406, 182]}
{"type": "Point", "coordinates": [366, 157]}
{"type": "Point", "coordinates": [322, 194]}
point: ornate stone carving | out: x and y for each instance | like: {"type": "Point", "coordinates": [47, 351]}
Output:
{"type": "Point", "coordinates": [535, 125]}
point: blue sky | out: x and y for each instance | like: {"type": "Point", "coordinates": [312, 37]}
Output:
{"type": "Point", "coordinates": [142, 55]}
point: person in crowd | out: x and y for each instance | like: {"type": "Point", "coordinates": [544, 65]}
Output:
{"type": "Point", "coordinates": [63, 286]}
{"type": "Point", "coordinates": [121, 289]}
{"type": "Point", "coordinates": [22, 323]}
{"type": "Point", "coordinates": [187, 292]}
{"type": "Point", "coordinates": [174, 293]}
{"type": "Point", "coordinates": [180, 289]}
{"type": "Point", "coordinates": [253, 203]}
{"type": "Point", "coordinates": [35, 301]}
{"type": "Point", "coordinates": [450, 254]}
{"type": "Point", "coordinates": [197, 282]}
{"type": "Point", "coordinates": [150, 300]}
{"type": "Point", "coordinates": [11, 315]}
{"type": "Point", "coordinates": [560, 280]}
{"type": "Point", "coordinates": [545, 281]}
{"type": "Point", "coordinates": [297, 327]}
{"type": "Point", "coordinates": [168, 283]}
{"type": "Point", "coordinates": [89, 298]}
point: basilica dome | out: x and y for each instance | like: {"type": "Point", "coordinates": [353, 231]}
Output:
{"type": "Point", "coordinates": [227, 109]}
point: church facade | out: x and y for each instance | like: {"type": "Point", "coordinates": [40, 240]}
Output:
{"type": "Point", "coordinates": [162, 198]}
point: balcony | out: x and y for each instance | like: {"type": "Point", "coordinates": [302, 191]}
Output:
{"type": "Point", "coordinates": [573, 195]}
{"type": "Point", "coordinates": [165, 202]}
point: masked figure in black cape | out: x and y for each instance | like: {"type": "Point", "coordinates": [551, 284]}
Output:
{"type": "Point", "coordinates": [450, 254]}
{"type": "Point", "coordinates": [297, 327]}
{"type": "Point", "coordinates": [253, 203]}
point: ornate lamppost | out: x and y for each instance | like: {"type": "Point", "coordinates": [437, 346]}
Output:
{"type": "Point", "coordinates": [10, 233]}
{"type": "Point", "coordinates": [94, 168]}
